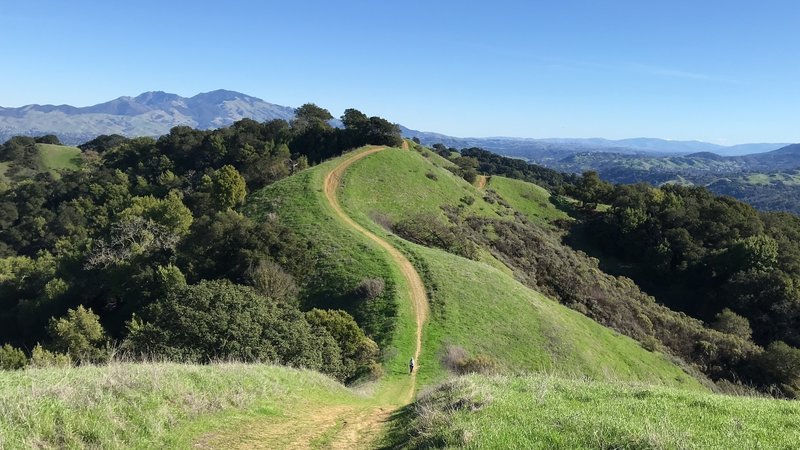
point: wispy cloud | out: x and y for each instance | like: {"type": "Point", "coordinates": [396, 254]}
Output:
{"type": "Point", "coordinates": [674, 73]}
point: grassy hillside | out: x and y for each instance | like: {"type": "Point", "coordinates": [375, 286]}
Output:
{"type": "Point", "coordinates": [56, 157]}
{"type": "Point", "coordinates": [344, 259]}
{"type": "Point", "coordinates": [482, 308]}
{"type": "Point", "coordinates": [527, 198]}
{"type": "Point", "coordinates": [151, 405]}
{"type": "Point", "coordinates": [543, 412]}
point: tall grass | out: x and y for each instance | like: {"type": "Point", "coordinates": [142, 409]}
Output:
{"type": "Point", "coordinates": [145, 405]}
{"type": "Point", "coordinates": [545, 412]}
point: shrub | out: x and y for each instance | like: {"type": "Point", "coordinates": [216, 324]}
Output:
{"type": "Point", "coordinates": [358, 352]}
{"type": "Point", "coordinates": [370, 288]}
{"type": "Point", "coordinates": [80, 335]}
{"type": "Point", "coordinates": [457, 360]}
{"type": "Point", "coordinates": [729, 322]}
{"type": "Point", "coordinates": [467, 200]}
{"type": "Point", "coordinates": [269, 279]}
{"type": "Point", "coordinates": [12, 358]}
{"type": "Point", "coordinates": [43, 358]}
{"type": "Point", "coordinates": [432, 176]}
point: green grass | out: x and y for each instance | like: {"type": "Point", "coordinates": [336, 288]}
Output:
{"type": "Point", "coordinates": [527, 198]}
{"type": "Point", "coordinates": [150, 405]}
{"type": "Point", "coordinates": [395, 183]}
{"type": "Point", "coordinates": [57, 157]}
{"type": "Point", "coordinates": [480, 306]}
{"type": "Point", "coordinates": [344, 258]}
{"type": "Point", "coordinates": [544, 412]}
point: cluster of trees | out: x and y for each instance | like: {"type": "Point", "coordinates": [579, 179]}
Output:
{"type": "Point", "coordinates": [149, 229]}
{"type": "Point", "coordinates": [702, 253]}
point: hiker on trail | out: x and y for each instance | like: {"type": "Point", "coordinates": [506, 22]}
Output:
{"type": "Point", "coordinates": [411, 366]}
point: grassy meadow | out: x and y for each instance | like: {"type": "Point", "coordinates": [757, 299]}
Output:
{"type": "Point", "coordinates": [544, 412]}
{"type": "Point", "coordinates": [149, 405]}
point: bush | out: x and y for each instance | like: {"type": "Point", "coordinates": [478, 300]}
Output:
{"type": "Point", "coordinates": [457, 360]}
{"type": "Point", "coordinates": [432, 176]}
{"type": "Point", "coordinates": [269, 279]}
{"type": "Point", "coordinates": [12, 358]}
{"type": "Point", "coordinates": [729, 322]}
{"type": "Point", "coordinates": [370, 288]}
{"type": "Point", "coordinates": [80, 335]}
{"type": "Point", "coordinates": [219, 320]}
{"type": "Point", "coordinates": [358, 352]}
{"type": "Point", "coordinates": [41, 358]}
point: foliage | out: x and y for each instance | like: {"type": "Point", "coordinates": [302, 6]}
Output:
{"type": "Point", "coordinates": [358, 352]}
{"type": "Point", "coordinates": [12, 358]}
{"type": "Point", "coordinates": [79, 335]}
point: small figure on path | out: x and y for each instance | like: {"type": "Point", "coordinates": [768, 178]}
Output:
{"type": "Point", "coordinates": [411, 366]}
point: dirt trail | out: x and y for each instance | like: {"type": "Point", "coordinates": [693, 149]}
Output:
{"type": "Point", "coordinates": [481, 181]}
{"type": "Point", "coordinates": [418, 295]}
{"type": "Point", "coordinates": [341, 427]}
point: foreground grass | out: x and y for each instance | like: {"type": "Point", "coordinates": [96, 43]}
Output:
{"type": "Point", "coordinates": [149, 405]}
{"type": "Point", "coordinates": [538, 412]}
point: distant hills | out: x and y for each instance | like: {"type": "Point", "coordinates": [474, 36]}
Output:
{"type": "Point", "coordinates": [154, 113]}
{"type": "Point", "coordinates": [148, 114]}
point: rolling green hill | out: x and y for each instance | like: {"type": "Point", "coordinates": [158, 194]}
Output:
{"type": "Point", "coordinates": [480, 307]}
{"type": "Point", "coordinates": [563, 380]}
{"type": "Point", "coordinates": [45, 157]}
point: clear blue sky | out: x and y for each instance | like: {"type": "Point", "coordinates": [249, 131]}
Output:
{"type": "Point", "coordinates": [720, 71]}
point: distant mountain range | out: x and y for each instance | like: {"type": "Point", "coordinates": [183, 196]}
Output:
{"type": "Point", "coordinates": [154, 113]}
{"type": "Point", "coordinates": [148, 114]}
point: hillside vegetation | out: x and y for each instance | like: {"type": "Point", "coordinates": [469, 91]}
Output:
{"type": "Point", "coordinates": [544, 412]}
{"type": "Point", "coordinates": [147, 405]}
{"type": "Point", "coordinates": [480, 308]}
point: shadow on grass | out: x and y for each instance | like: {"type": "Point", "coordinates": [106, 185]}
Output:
{"type": "Point", "coordinates": [398, 430]}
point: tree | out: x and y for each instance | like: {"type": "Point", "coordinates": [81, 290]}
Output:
{"type": "Point", "coordinates": [48, 139]}
{"type": "Point", "coordinates": [79, 335]}
{"type": "Point", "coordinates": [228, 188]}
{"type": "Point", "coordinates": [220, 320]}
{"type": "Point", "coordinates": [311, 116]}
{"type": "Point", "coordinates": [782, 363]}
{"type": "Point", "coordinates": [358, 351]}
{"type": "Point", "coordinates": [269, 279]}
{"type": "Point", "coordinates": [729, 322]}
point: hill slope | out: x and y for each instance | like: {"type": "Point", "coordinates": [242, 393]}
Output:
{"type": "Point", "coordinates": [155, 405]}
{"type": "Point", "coordinates": [542, 412]}
{"type": "Point", "coordinates": [482, 308]}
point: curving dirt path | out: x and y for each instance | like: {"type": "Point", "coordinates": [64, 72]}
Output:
{"type": "Point", "coordinates": [481, 181]}
{"type": "Point", "coordinates": [418, 295]}
{"type": "Point", "coordinates": [345, 427]}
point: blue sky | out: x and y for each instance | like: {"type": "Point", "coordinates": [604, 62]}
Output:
{"type": "Point", "coordinates": [720, 71]}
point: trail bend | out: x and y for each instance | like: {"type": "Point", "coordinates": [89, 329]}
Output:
{"type": "Point", "coordinates": [345, 427]}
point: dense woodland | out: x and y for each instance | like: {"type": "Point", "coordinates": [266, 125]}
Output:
{"type": "Point", "coordinates": [142, 251]}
